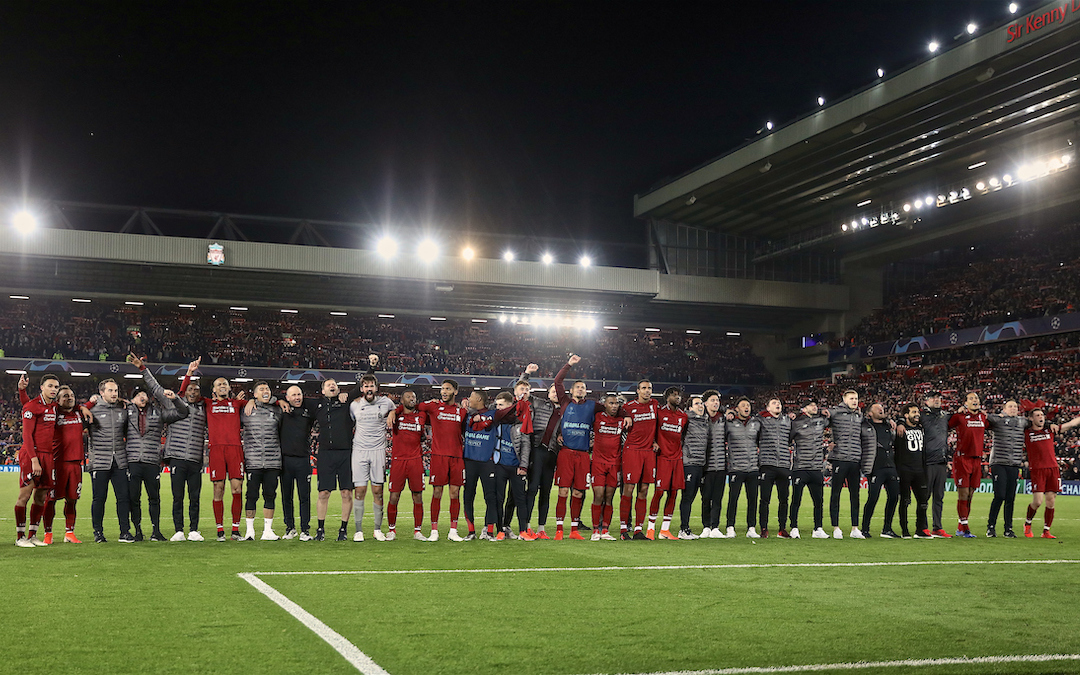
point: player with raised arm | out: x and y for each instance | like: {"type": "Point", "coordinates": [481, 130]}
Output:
{"type": "Point", "coordinates": [1045, 473]}
{"type": "Point", "coordinates": [970, 424]}
{"type": "Point", "coordinates": [407, 463]}
{"type": "Point", "coordinates": [808, 436]}
{"type": "Point", "coordinates": [845, 455]}
{"type": "Point", "coordinates": [639, 460]}
{"type": "Point", "coordinates": [150, 410]}
{"type": "Point", "coordinates": [36, 470]}
{"type": "Point", "coordinates": [1006, 460]}
{"type": "Point", "coordinates": [226, 449]}
{"type": "Point", "coordinates": [578, 415]}
{"type": "Point", "coordinates": [743, 432]}
{"type": "Point", "coordinates": [185, 446]}
{"type": "Point", "coordinates": [608, 429]}
{"type": "Point", "coordinates": [447, 421]}
{"type": "Point", "coordinates": [511, 464]}
{"type": "Point", "coordinates": [774, 464]}
{"type": "Point", "coordinates": [670, 478]}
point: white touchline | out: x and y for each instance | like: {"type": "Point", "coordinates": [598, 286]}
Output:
{"type": "Point", "coordinates": [860, 665]}
{"type": "Point", "coordinates": [357, 658]}
{"type": "Point", "coordinates": [614, 568]}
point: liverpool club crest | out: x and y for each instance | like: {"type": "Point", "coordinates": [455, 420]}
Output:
{"type": "Point", "coordinates": [215, 254]}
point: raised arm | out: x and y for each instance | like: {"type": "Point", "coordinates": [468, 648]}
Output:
{"type": "Point", "coordinates": [192, 367]}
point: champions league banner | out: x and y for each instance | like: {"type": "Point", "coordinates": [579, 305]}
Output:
{"type": "Point", "coordinates": [1044, 325]}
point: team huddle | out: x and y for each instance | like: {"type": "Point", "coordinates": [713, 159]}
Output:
{"type": "Point", "coordinates": [518, 449]}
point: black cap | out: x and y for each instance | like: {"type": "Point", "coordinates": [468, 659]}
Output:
{"type": "Point", "coordinates": [135, 389]}
{"type": "Point", "coordinates": [933, 393]}
{"type": "Point", "coordinates": [807, 400]}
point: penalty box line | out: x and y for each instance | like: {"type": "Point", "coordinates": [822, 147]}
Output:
{"type": "Point", "coordinates": [615, 568]}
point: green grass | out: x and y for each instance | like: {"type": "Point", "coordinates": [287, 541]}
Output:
{"type": "Point", "coordinates": [179, 607]}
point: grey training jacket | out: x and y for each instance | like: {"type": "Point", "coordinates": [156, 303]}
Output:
{"type": "Point", "coordinates": [742, 443]}
{"type": "Point", "coordinates": [1008, 448]}
{"type": "Point", "coordinates": [774, 441]}
{"type": "Point", "coordinates": [185, 439]}
{"type": "Point", "coordinates": [108, 429]}
{"type": "Point", "coordinates": [846, 433]}
{"type": "Point", "coordinates": [159, 411]}
{"type": "Point", "coordinates": [262, 443]}
{"type": "Point", "coordinates": [808, 435]}
{"type": "Point", "coordinates": [695, 444]}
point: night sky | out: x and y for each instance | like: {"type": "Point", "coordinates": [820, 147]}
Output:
{"type": "Point", "coordinates": [539, 117]}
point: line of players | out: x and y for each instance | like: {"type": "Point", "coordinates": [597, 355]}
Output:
{"type": "Point", "coordinates": [516, 451]}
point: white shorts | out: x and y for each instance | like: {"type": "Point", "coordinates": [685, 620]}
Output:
{"type": "Point", "coordinates": [368, 466]}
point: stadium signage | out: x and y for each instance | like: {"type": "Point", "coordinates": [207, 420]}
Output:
{"type": "Point", "coordinates": [1037, 22]}
{"type": "Point", "coordinates": [215, 254]}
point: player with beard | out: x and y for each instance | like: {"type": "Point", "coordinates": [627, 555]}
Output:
{"type": "Point", "coordinates": [911, 465]}
{"type": "Point", "coordinates": [447, 421]}
{"type": "Point", "coordinates": [775, 465]}
{"type": "Point", "coordinates": [373, 416]}
{"type": "Point", "coordinates": [970, 424]}
{"type": "Point", "coordinates": [935, 422]}
{"type": "Point", "coordinates": [542, 458]}
{"type": "Point", "coordinates": [407, 463]}
{"type": "Point", "coordinates": [226, 449]}
{"type": "Point", "coordinates": [185, 446]}
{"type": "Point", "coordinates": [670, 477]}
{"type": "Point", "coordinates": [846, 456]}
{"type": "Point", "coordinates": [68, 457]}
{"type": "Point", "coordinates": [879, 465]}
{"type": "Point", "coordinates": [107, 459]}
{"type": "Point", "coordinates": [36, 471]}
{"type": "Point", "coordinates": [639, 459]}
{"type": "Point", "coordinates": [1045, 473]}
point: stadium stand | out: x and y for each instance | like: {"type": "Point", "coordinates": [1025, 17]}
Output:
{"type": "Point", "coordinates": [58, 329]}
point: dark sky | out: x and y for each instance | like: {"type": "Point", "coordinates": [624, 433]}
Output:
{"type": "Point", "coordinates": [522, 116]}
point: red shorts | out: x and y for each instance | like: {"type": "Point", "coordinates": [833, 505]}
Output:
{"type": "Point", "coordinates": [47, 479]}
{"type": "Point", "coordinates": [447, 470]}
{"type": "Point", "coordinates": [226, 460]}
{"type": "Point", "coordinates": [669, 474]}
{"type": "Point", "coordinates": [604, 474]}
{"type": "Point", "coordinates": [68, 480]}
{"type": "Point", "coordinates": [1046, 480]}
{"type": "Point", "coordinates": [638, 467]}
{"type": "Point", "coordinates": [411, 470]}
{"type": "Point", "coordinates": [572, 469]}
{"type": "Point", "coordinates": [967, 471]}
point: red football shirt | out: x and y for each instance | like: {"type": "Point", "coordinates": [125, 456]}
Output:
{"type": "Point", "coordinates": [69, 434]}
{"type": "Point", "coordinates": [970, 433]}
{"type": "Point", "coordinates": [447, 422]}
{"type": "Point", "coordinates": [407, 434]}
{"type": "Point", "coordinates": [39, 429]}
{"type": "Point", "coordinates": [642, 434]}
{"type": "Point", "coordinates": [222, 418]}
{"type": "Point", "coordinates": [670, 433]}
{"type": "Point", "coordinates": [1040, 448]}
{"type": "Point", "coordinates": [607, 438]}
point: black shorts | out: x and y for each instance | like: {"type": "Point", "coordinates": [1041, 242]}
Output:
{"type": "Point", "coordinates": [335, 470]}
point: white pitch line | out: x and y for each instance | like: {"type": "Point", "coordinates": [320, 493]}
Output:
{"type": "Point", "coordinates": [614, 568]}
{"type": "Point", "coordinates": [861, 665]}
{"type": "Point", "coordinates": [352, 654]}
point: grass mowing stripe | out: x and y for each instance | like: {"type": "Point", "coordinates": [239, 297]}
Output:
{"type": "Point", "coordinates": [613, 568]}
{"type": "Point", "coordinates": [862, 665]}
{"type": "Point", "coordinates": [357, 658]}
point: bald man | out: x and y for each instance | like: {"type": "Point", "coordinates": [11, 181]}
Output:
{"type": "Point", "coordinates": [296, 461]}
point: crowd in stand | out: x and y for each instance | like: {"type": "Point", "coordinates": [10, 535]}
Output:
{"type": "Point", "coordinates": [1026, 275]}
{"type": "Point", "coordinates": [101, 330]}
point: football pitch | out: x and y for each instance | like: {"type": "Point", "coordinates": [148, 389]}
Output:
{"type": "Point", "coordinates": [570, 607]}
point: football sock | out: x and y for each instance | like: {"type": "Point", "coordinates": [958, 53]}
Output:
{"type": "Point", "coordinates": [639, 512]}
{"type": "Point", "coordinates": [391, 516]}
{"type": "Point", "coordinates": [69, 516]}
{"type": "Point", "coordinates": [378, 515]}
{"type": "Point", "coordinates": [344, 526]}
{"type": "Point", "coordinates": [49, 515]}
{"type": "Point", "coordinates": [219, 514]}
{"type": "Point", "coordinates": [436, 506]}
{"type": "Point", "coordinates": [625, 506]}
{"type": "Point", "coordinates": [609, 510]}
{"type": "Point", "coordinates": [35, 516]}
{"type": "Point", "coordinates": [1030, 514]}
{"type": "Point", "coordinates": [455, 509]}
{"type": "Point", "coordinates": [20, 521]}
{"type": "Point", "coordinates": [669, 506]}
{"type": "Point", "coordinates": [237, 510]}
{"type": "Point", "coordinates": [358, 514]}
{"type": "Point", "coordinates": [598, 515]}
{"type": "Point", "coordinates": [250, 522]}
{"type": "Point", "coordinates": [654, 506]}
{"type": "Point", "coordinates": [268, 524]}
{"type": "Point", "coordinates": [666, 525]}
{"type": "Point", "coordinates": [418, 517]}
{"type": "Point", "coordinates": [575, 510]}
{"type": "Point", "coordinates": [560, 512]}
{"type": "Point", "coordinates": [322, 525]}
{"type": "Point", "coordinates": [1048, 518]}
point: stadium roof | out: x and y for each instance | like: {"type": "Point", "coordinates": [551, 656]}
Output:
{"type": "Point", "coordinates": [1002, 98]}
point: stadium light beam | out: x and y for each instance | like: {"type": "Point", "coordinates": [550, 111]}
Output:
{"type": "Point", "coordinates": [585, 261]}
{"type": "Point", "coordinates": [387, 247]}
{"type": "Point", "coordinates": [24, 222]}
{"type": "Point", "coordinates": [468, 253]}
{"type": "Point", "coordinates": [508, 256]}
{"type": "Point", "coordinates": [881, 72]}
{"type": "Point", "coordinates": [821, 100]}
{"type": "Point", "coordinates": [547, 258]}
{"type": "Point", "coordinates": [971, 28]}
{"type": "Point", "coordinates": [1013, 8]}
{"type": "Point", "coordinates": [427, 250]}
{"type": "Point", "coordinates": [933, 46]}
